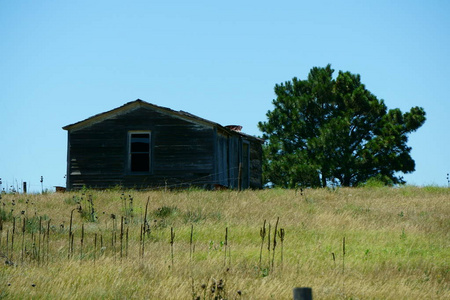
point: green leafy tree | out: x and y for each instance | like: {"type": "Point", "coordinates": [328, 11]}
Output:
{"type": "Point", "coordinates": [324, 130]}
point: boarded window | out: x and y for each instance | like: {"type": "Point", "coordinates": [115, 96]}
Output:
{"type": "Point", "coordinates": [139, 151]}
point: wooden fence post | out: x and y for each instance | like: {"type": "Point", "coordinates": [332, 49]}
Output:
{"type": "Point", "coordinates": [302, 293]}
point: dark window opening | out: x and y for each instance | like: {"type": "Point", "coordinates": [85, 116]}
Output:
{"type": "Point", "coordinates": [140, 152]}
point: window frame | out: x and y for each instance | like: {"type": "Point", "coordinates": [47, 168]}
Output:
{"type": "Point", "coordinates": [130, 153]}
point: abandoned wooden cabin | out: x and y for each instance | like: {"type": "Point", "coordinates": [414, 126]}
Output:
{"type": "Point", "coordinates": [142, 145]}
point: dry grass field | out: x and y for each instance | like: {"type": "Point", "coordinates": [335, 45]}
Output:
{"type": "Point", "coordinates": [359, 243]}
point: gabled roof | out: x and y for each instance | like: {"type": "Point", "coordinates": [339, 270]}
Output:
{"type": "Point", "coordinates": [140, 103]}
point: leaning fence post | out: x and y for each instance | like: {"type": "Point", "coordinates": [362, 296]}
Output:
{"type": "Point", "coordinates": [302, 293]}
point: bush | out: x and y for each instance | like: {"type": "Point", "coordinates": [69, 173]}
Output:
{"type": "Point", "coordinates": [378, 181]}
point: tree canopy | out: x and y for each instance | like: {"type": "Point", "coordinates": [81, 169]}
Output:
{"type": "Point", "coordinates": [324, 130]}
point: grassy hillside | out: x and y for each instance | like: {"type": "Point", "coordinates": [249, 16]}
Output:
{"type": "Point", "coordinates": [397, 244]}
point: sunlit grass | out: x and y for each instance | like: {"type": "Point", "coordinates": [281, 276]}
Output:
{"type": "Point", "coordinates": [397, 243]}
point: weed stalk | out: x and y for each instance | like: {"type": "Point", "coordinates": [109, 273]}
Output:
{"type": "Point", "coordinates": [121, 238]}
{"type": "Point", "coordinates": [81, 242]}
{"type": "Point", "coordinates": [281, 234]}
{"type": "Point", "coordinates": [23, 239]}
{"type": "Point", "coordinates": [190, 242]}
{"type": "Point", "coordinates": [12, 238]}
{"type": "Point", "coordinates": [274, 242]}
{"type": "Point", "coordinates": [172, 239]}
{"type": "Point", "coordinates": [268, 244]}
{"type": "Point", "coordinates": [262, 234]}
{"type": "Point", "coordinates": [225, 244]}
{"type": "Point", "coordinates": [48, 240]}
{"type": "Point", "coordinates": [70, 234]}
{"type": "Point", "coordinates": [95, 246]}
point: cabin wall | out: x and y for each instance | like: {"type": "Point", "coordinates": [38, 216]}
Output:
{"type": "Point", "coordinates": [256, 165]}
{"type": "Point", "coordinates": [222, 170]}
{"type": "Point", "coordinates": [181, 152]}
{"type": "Point", "coordinates": [251, 169]}
{"type": "Point", "coordinates": [234, 150]}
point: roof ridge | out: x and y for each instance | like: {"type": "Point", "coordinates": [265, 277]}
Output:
{"type": "Point", "coordinates": [139, 102]}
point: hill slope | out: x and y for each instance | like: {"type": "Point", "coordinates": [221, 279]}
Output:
{"type": "Point", "coordinates": [365, 243]}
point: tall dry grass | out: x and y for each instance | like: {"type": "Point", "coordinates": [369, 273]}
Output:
{"type": "Point", "coordinates": [397, 244]}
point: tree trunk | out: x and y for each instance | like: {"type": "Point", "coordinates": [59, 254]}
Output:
{"type": "Point", "coordinates": [324, 179]}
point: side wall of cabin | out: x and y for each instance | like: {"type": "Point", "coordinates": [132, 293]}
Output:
{"type": "Point", "coordinates": [238, 161]}
{"type": "Point", "coordinates": [256, 158]}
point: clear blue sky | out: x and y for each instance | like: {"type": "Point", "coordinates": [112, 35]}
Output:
{"type": "Point", "coordinates": [64, 61]}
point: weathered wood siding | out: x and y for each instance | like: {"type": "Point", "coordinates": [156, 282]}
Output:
{"type": "Point", "coordinates": [234, 159]}
{"type": "Point", "coordinates": [231, 154]}
{"type": "Point", "coordinates": [182, 152]}
{"type": "Point", "coordinates": [222, 170]}
{"type": "Point", "coordinates": [255, 165]}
